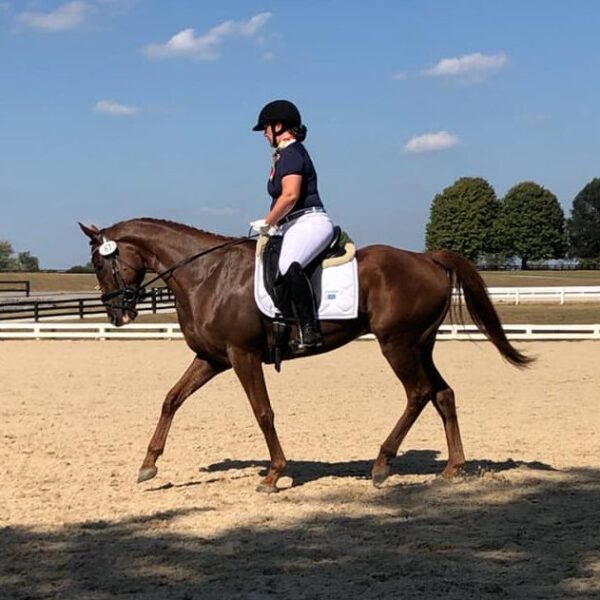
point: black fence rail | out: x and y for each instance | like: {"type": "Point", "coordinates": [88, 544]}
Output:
{"type": "Point", "coordinates": [20, 287]}
{"type": "Point", "coordinates": [157, 299]}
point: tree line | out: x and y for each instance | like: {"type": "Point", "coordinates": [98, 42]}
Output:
{"type": "Point", "coordinates": [23, 261]}
{"type": "Point", "coordinates": [528, 223]}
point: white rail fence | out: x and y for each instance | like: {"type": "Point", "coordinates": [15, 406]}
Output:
{"type": "Point", "coordinates": [172, 331]}
{"type": "Point", "coordinates": [516, 295]}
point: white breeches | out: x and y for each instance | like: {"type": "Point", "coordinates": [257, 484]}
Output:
{"type": "Point", "coordinates": [304, 238]}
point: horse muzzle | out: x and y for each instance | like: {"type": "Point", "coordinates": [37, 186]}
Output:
{"type": "Point", "coordinates": [121, 306]}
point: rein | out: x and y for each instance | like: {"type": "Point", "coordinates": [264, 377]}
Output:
{"type": "Point", "coordinates": [133, 295]}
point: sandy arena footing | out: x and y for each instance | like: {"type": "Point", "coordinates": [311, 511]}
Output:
{"type": "Point", "coordinates": [76, 417]}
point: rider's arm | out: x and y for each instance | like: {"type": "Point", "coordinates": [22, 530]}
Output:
{"type": "Point", "coordinates": [290, 192]}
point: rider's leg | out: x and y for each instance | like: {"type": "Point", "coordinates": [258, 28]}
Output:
{"type": "Point", "coordinates": [303, 240]}
{"type": "Point", "coordinates": [303, 303]}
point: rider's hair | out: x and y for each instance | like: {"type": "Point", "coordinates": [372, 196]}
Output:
{"type": "Point", "coordinates": [299, 132]}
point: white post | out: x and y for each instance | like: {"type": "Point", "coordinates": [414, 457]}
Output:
{"type": "Point", "coordinates": [562, 295]}
{"type": "Point", "coordinates": [517, 296]}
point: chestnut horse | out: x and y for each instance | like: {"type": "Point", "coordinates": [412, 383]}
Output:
{"type": "Point", "coordinates": [404, 297]}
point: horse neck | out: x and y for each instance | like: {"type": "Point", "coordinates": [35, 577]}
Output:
{"type": "Point", "coordinates": [164, 244]}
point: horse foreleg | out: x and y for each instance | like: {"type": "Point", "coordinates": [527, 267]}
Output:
{"type": "Point", "coordinates": [196, 375]}
{"type": "Point", "coordinates": [248, 368]}
{"type": "Point", "coordinates": [408, 368]}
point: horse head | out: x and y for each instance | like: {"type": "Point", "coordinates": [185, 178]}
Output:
{"type": "Point", "coordinates": [120, 270]}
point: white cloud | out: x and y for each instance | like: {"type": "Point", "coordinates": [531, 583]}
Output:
{"type": "Point", "coordinates": [430, 142]}
{"type": "Point", "coordinates": [185, 44]}
{"type": "Point", "coordinates": [67, 16]}
{"type": "Point", "coordinates": [469, 63]}
{"type": "Point", "coordinates": [399, 76]}
{"type": "Point", "coordinates": [108, 107]}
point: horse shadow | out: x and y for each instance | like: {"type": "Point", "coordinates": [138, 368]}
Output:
{"type": "Point", "coordinates": [413, 462]}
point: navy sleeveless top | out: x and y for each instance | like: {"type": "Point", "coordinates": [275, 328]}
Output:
{"type": "Point", "coordinates": [294, 160]}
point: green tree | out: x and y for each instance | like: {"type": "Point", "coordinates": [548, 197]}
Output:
{"type": "Point", "coordinates": [584, 225]}
{"type": "Point", "coordinates": [23, 262]}
{"type": "Point", "coordinates": [7, 262]}
{"type": "Point", "coordinates": [462, 217]}
{"type": "Point", "coordinates": [27, 262]}
{"type": "Point", "coordinates": [531, 223]}
{"type": "Point", "coordinates": [87, 268]}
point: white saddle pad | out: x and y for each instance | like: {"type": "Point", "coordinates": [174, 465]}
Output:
{"type": "Point", "coordinates": [336, 290]}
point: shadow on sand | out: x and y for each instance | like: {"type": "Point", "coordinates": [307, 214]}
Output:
{"type": "Point", "coordinates": [412, 462]}
{"type": "Point", "coordinates": [535, 536]}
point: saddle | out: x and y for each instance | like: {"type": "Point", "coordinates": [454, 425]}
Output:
{"type": "Point", "coordinates": [340, 250]}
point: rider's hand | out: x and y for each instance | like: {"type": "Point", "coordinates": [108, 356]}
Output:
{"type": "Point", "coordinates": [262, 227]}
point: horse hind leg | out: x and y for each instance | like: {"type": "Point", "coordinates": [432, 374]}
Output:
{"type": "Point", "coordinates": [445, 405]}
{"type": "Point", "coordinates": [196, 375]}
{"type": "Point", "coordinates": [407, 365]}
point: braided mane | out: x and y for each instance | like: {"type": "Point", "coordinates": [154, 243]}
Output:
{"type": "Point", "coordinates": [174, 225]}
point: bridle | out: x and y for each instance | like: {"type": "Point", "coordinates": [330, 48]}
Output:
{"type": "Point", "coordinates": [130, 296]}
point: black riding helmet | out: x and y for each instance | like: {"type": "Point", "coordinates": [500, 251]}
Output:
{"type": "Point", "coordinates": [278, 111]}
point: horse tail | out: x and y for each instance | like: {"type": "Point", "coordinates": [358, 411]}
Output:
{"type": "Point", "coordinates": [469, 284]}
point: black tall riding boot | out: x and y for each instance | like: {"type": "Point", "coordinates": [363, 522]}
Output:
{"type": "Point", "coordinates": [301, 298]}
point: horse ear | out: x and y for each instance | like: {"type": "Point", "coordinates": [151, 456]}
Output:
{"type": "Point", "coordinates": [92, 231]}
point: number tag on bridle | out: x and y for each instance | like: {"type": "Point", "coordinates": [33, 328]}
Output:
{"type": "Point", "coordinates": [107, 248]}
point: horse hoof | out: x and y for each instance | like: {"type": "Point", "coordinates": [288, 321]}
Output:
{"type": "Point", "coordinates": [379, 476]}
{"type": "Point", "coordinates": [146, 473]}
{"type": "Point", "coordinates": [267, 488]}
{"type": "Point", "coordinates": [452, 471]}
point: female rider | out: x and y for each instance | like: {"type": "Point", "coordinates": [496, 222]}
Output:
{"type": "Point", "coordinates": [296, 209]}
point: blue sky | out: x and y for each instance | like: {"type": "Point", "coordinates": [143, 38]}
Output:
{"type": "Point", "coordinates": [112, 109]}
